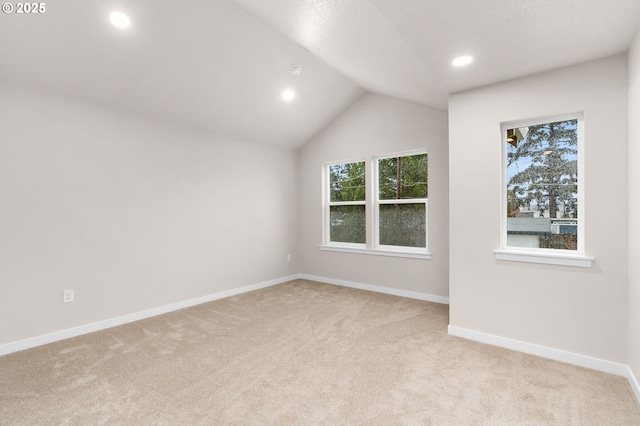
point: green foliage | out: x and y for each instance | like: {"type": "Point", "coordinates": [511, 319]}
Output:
{"type": "Point", "coordinates": [412, 174]}
{"type": "Point", "coordinates": [348, 224]}
{"type": "Point", "coordinates": [403, 225]}
{"type": "Point", "coordinates": [347, 182]}
{"type": "Point", "coordinates": [400, 178]}
{"type": "Point", "coordinates": [513, 207]}
{"type": "Point", "coordinates": [550, 174]}
{"type": "Point", "coordinates": [559, 241]}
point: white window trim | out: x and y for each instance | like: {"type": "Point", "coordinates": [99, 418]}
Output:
{"type": "Point", "coordinates": [403, 252]}
{"type": "Point", "coordinates": [372, 246]}
{"type": "Point", "coordinates": [544, 258]}
{"type": "Point", "coordinates": [577, 257]}
{"type": "Point", "coordinates": [327, 204]}
{"type": "Point", "coordinates": [377, 202]}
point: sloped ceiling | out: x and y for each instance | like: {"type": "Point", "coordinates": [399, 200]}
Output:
{"type": "Point", "coordinates": [222, 65]}
{"type": "Point", "coordinates": [404, 48]}
{"type": "Point", "coordinates": [204, 64]}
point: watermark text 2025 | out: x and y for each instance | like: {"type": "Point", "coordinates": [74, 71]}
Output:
{"type": "Point", "coordinates": [24, 8]}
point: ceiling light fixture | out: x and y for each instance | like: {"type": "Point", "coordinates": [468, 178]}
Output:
{"type": "Point", "coordinates": [119, 19]}
{"type": "Point", "coordinates": [288, 95]}
{"type": "Point", "coordinates": [462, 61]}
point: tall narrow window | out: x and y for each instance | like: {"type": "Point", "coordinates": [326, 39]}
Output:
{"type": "Point", "coordinates": [346, 203]}
{"type": "Point", "coordinates": [402, 201]}
{"type": "Point", "coordinates": [543, 205]}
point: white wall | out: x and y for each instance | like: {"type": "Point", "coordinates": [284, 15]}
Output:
{"type": "Point", "coordinates": [377, 125]}
{"type": "Point", "coordinates": [634, 207]}
{"type": "Point", "coordinates": [132, 214]}
{"type": "Point", "coordinates": [578, 310]}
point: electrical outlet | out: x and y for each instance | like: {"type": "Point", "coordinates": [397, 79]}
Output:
{"type": "Point", "coordinates": [67, 296]}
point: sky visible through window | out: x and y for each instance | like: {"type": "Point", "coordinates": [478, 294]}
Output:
{"type": "Point", "coordinates": [542, 166]}
{"type": "Point", "coordinates": [542, 185]}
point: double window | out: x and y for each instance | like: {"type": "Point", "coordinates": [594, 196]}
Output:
{"type": "Point", "coordinates": [378, 205]}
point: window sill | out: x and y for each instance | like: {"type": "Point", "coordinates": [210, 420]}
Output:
{"type": "Point", "coordinates": [544, 258]}
{"type": "Point", "coordinates": [378, 252]}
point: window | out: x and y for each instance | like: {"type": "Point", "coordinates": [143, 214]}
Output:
{"type": "Point", "coordinates": [402, 201]}
{"type": "Point", "coordinates": [347, 209]}
{"type": "Point", "coordinates": [543, 211]}
{"type": "Point", "coordinates": [378, 206]}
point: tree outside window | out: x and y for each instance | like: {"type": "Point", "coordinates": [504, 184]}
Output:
{"type": "Point", "coordinates": [402, 200]}
{"type": "Point", "coordinates": [542, 185]}
{"type": "Point", "coordinates": [396, 209]}
{"type": "Point", "coordinates": [347, 210]}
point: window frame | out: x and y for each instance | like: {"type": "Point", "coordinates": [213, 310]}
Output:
{"type": "Point", "coordinates": [372, 204]}
{"type": "Point", "coordinates": [377, 202]}
{"type": "Point", "coordinates": [327, 203]}
{"type": "Point", "coordinates": [545, 255]}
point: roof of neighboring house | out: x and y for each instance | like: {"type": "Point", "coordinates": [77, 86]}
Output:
{"type": "Point", "coordinates": [528, 225]}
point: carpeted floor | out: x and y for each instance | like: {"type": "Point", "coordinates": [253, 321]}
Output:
{"type": "Point", "coordinates": [301, 353]}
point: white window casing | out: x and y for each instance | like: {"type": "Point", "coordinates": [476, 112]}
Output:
{"type": "Point", "coordinates": [523, 249]}
{"type": "Point", "coordinates": [372, 205]}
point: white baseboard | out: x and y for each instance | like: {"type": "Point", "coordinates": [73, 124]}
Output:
{"type": "Point", "coordinates": [542, 351]}
{"type": "Point", "coordinates": [44, 339]}
{"type": "Point", "coordinates": [635, 385]}
{"type": "Point", "coordinates": [379, 289]}
{"type": "Point", "coordinates": [550, 353]}
{"type": "Point", "coordinates": [32, 342]}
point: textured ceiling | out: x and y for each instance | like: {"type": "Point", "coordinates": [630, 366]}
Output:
{"type": "Point", "coordinates": [221, 65]}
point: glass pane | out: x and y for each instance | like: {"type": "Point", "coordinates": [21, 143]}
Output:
{"type": "Point", "coordinates": [346, 182]}
{"type": "Point", "coordinates": [403, 177]}
{"type": "Point", "coordinates": [348, 224]}
{"type": "Point", "coordinates": [542, 186]}
{"type": "Point", "coordinates": [403, 225]}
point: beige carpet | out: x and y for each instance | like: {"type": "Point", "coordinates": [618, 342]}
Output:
{"type": "Point", "coordinates": [301, 353]}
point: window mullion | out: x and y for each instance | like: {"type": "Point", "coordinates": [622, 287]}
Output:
{"type": "Point", "coordinates": [375, 220]}
{"type": "Point", "coordinates": [372, 197]}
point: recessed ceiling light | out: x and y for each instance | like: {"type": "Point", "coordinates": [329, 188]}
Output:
{"type": "Point", "coordinates": [462, 61]}
{"type": "Point", "coordinates": [288, 95]}
{"type": "Point", "coordinates": [119, 19]}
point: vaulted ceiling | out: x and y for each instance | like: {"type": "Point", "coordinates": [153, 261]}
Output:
{"type": "Point", "coordinates": [222, 65]}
